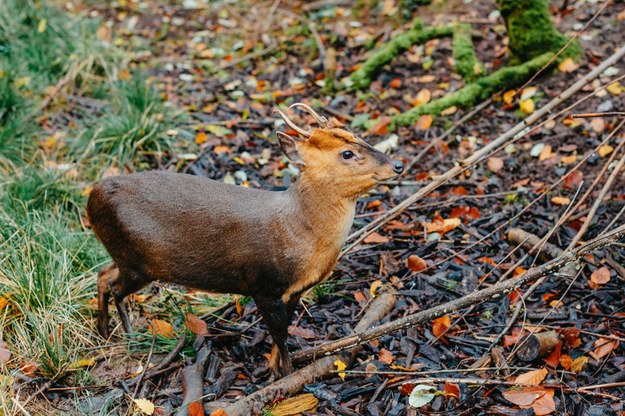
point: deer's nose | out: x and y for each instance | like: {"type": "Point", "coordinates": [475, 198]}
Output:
{"type": "Point", "coordinates": [398, 167]}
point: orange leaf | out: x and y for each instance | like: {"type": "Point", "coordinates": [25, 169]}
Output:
{"type": "Point", "coordinates": [495, 164]}
{"type": "Point", "coordinates": [360, 297]}
{"type": "Point", "coordinates": [560, 200]}
{"type": "Point", "coordinates": [374, 287]}
{"type": "Point", "coordinates": [424, 122]}
{"type": "Point", "coordinates": [524, 396]}
{"type": "Point", "coordinates": [219, 412]}
{"type": "Point", "coordinates": [201, 137]}
{"type": "Point", "coordinates": [416, 263]}
{"type": "Point", "coordinates": [571, 337]}
{"type": "Point", "coordinates": [573, 179]}
{"type": "Point", "coordinates": [222, 149]}
{"type": "Point", "coordinates": [395, 83]}
{"type": "Point", "coordinates": [160, 327]}
{"type": "Point", "coordinates": [441, 325]}
{"type": "Point", "coordinates": [599, 277]}
{"type": "Point", "coordinates": [568, 65]}
{"type": "Point", "coordinates": [196, 409]}
{"type": "Point", "coordinates": [452, 389]}
{"type": "Point", "coordinates": [487, 260]}
{"type": "Point", "coordinates": [604, 347]}
{"type": "Point", "coordinates": [381, 128]}
{"type": "Point", "coordinates": [533, 377]}
{"type": "Point", "coordinates": [386, 357]}
{"type": "Point", "coordinates": [545, 404]}
{"type": "Point", "coordinates": [554, 358]}
{"type": "Point", "coordinates": [566, 361]}
{"type": "Point", "coordinates": [443, 226]}
{"type": "Point", "coordinates": [195, 324]}
{"type": "Point", "coordinates": [375, 238]}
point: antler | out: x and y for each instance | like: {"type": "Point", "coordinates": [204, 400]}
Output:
{"type": "Point", "coordinates": [291, 124]}
{"type": "Point", "coordinates": [321, 120]}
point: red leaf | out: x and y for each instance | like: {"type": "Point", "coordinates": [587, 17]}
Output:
{"type": "Point", "coordinates": [571, 337]}
{"type": "Point", "coordinates": [573, 180]}
{"type": "Point", "coordinates": [452, 389]}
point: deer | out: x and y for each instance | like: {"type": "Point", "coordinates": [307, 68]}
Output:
{"type": "Point", "coordinates": [222, 238]}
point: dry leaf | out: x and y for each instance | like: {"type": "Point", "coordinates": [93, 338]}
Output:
{"type": "Point", "coordinates": [568, 65]}
{"type": "Point", "coordinates": [533, 377]}
{"type": "Point", "coordinates": [386, 357]}
{"type": "Point", "coordinates": [5, 352]}
{"type": "Point", "coordinates": [605, 150]}
{"type": "Point", "coordinates": [443, 226]}
{"type": "Point", "coordinates": [603, 347]}
{"type": "Point", "coordinates": [528, 92]}
{"type": "Point", "coordinates": [554, 358]}
{"type": "Point", "coordinates": [527, 106]}
{"type": "Point", "coordinates": [452, 389]}
{"type": "Point", "coordinates": [374, 287]}
{"type": "Point", "coordinates": [301, 332]}
{"type": "Point", "coordinates": [577, 366]}
{"type": "Point", "coordinates": [545, 153]}
{"type": "Point", "coordinates": [508, 96]}
{"type": "Point", "coordinates": [545, 404]}
{"type": "Point", "coordinates": [219, 412]}
{"type": "Point", "coordinates": [160, 327]}
{"type": "Point", "coordinates": [375, 238]}
{"type": "Point", "coordinates": [296, 405]}
{"type": "Point", "coordinates": [615, 88]}
{"type": "Point", "coordinates": [524, 396]}
{"type": "Point", "coordinates": [195, 324]}
{"type": "Point", "coordinates": [423, 97]}
{"type": "Point", "coordinates": [415, 263]}
{"type": "Point", "coordinates": [196, 409]}
{"type": "Point", "coordinates": [359, 297]}
{"type": "Point", "coordinates": [597, 124]}
{"type": "Point", "coordinates": [573, 179]}
{"type": "Point", "coordinates": [144, 405]}
{"type": "Point", "coordinates": [441, 325]}
{"type": "Point", "coordinates": [340, 366]}
{"type": "Point", "coordinates": [561, 200]}
{"type": "Point", "coordinates": [424, 122]}
{"type": "Point", "coordinates": [201, 137]}
{"type": "Point", "coordinates": [599, 277]}
{"type": "Point", "coordinates": [495, 164]}
{"type": "Point", "coordinates": [566, 361]}
{"type": "Point", "coordinates": [449, 111]}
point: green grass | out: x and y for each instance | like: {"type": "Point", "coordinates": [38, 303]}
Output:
{"type": "Point", "coordinates": [48, 260]}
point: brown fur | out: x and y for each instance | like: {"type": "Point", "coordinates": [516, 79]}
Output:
{"type": "Point", "coordinates": [222, 238]}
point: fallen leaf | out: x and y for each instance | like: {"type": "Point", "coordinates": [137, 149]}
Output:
{"type": "Point", "coordinates": [421, 395]}
{"type": "Point", "coordinates": [424, 122]}
{"type": "Point", "coordinates": [219, 412]}
{"type": "Point", "coordinates": [160, 327]}
{"type": "Point", "coordinates": [406, 388]}
{"type": "Point", "coordinates": [301, 332]}
{"type": "Point", "coordinates": [195, 324]}
{"type": "Point", "coordinates": [145, 406]}
{"type": "Point", "coordinates": [423, 97]}
{"type": "Point", "coordinates": [196, 409]}
{"type": "Point", "coordinates": [201, 137]}
{"type": "Point", "coordinates": [599, 277]}
{"type": "Point", "coordinates": [527, 106]}
{"type": "Point", "coordinates": [340, 366]}
{"type": "Point", "coordinates": [416, 263]}
{"type": "Point", "coordinates": [603, 347]}
{"type": "Point", "coordinates": [577, 366]}
{"type": "Point", "coordinates": [375, 238]}
{"type": "Point", "coordinates": [545, 153]}
{"type": "Point", "coordinates": [5, 352]}
{"type": "Point", "coordinates": [533, 377]}
{"type": "Point", "coordinates": [449, 111]}
{"type": "Point", "coordinates": [84, 362]}
{"type": "Point", "coordinates": [566, 361]}
{"type": "Point", "coordinates": [441, 325]}
{"type": "Point", "coordinates": [386, 357]}
{"type": "Point", "coordinates": [427, 78]}
{"type": "Point", "coordinates": [303, 403]}
{"type": "Point", "coordinates": [597, 124]}
{"type": "Point", "coordinates": [568, 65]}
{"type": "Point", "coordinates": [545, 404]}
{"type": "Point", "coordinates": [568, 160]}
{"type": "Point", "coordinates": [395, 83]}
{"type": "Point", "coordinates": [605, 150]}
{"type": "Point", "coordinates": [374, 287]}
{"type": "Point", "coordinates": [508, 96]}
{"type": "Point", "coordinates": [495, 164]}
{"type": "Point", "coordinates": [554, 358]}
{"type": "Point", "coordinates": [444, 226]}
{"type": "Point", "coordinates": [561, 200]}
{"type": "Point", "coordinates": [41, 27]}
{"type": "Point", "coordinates": [452, 389]}
{"type": "Point", "coordinates": [573, 179]}
{"type": "Point", "coordinates": [360, 298]}
{"type": "Point", "coordinates": [614, 88]}
{"type": "Point", "coordinates": [524, 396]}
{"type": "Point", "coordinates": [528, 92]}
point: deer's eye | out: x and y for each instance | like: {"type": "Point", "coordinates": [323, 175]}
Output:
{"type": "Point", "coordinates": [347, 154]}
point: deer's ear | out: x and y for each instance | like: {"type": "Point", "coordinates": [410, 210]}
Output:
{"type": "Point", "coordinates": [289, 147]}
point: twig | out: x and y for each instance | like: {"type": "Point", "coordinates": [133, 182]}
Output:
{"type": "Point", "coordinates": [468, 300]}
{"type": "Point", "coordinates": [147, 364]}
{"type": "Point", "coordinates": [607, 114]}
{"type": "Point", "coordinates": [249, 56]}
{"type": "Point", "coordinates": [360, 235]}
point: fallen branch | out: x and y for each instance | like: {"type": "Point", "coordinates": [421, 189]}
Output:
{"type": "Point", "coordinates": [193, 382]}
{"type": "Point", "coordinates": [294, 382]}
{"type": "Point", "coordinates": [468, 300]}
{"type": "Point", "coordinates": [360, 235]}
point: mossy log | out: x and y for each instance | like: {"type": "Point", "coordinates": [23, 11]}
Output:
{"type": "Point", "coordinates": [384, 54]}
{"type": "Point", "coordinates": [470, 94]}
{"type": "Point", "coordinates": [466, 62]}
{"type": "Point", "coordinates": [531, 31]}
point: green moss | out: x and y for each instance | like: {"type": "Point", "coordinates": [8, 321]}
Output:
{"type": "Point", "coordinates": [386, 52]}
{"type": "Point", "coordinates": [481, 89]}
{"type": "Point", "coordinates": [531, 31]}
{"type": "Point", "coordinates": [467, 64]}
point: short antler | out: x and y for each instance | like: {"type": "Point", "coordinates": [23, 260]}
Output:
{"type": "Point", "coordinates": [321, 120]}
{"type": "Point", "coordinates": [291, 124]}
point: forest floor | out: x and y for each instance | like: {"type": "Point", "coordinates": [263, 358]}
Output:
{"type": "Point", "coordinates": [215, 72]}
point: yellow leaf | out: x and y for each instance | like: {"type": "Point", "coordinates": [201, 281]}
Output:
{"type": "Point", "coordinates": [567, 160]}
{"type": "Point", "coordinates": [1, 74]}
{"type": "Point", "coordinates": [528, 93]}
{"type": "Point", "coordinates": [41, 27]}
{"type": "Point", "coordinates": [340, 366]}
{"type": "Point", "coordinates": [578, 364]}
{"type": "Point", "coordinates": [374, 287]}
{"type": "Point", "coordinates": [545, 153]}
{"type": "Point", "coordinates": [160, 327]}
{"type": "Point", "coordinates": [427, 78]}
{"type": "Point", "coordinates": [533, 378]}
{"type": "Point", "coordinates": [568, 65]}
{"type": "Point", "coordinates": [449, 111]}
{"type": "Point", "coordinates": [527, 106]}
{"type": "Point", "coordinates": [4, 301]}
{"type": "Point", "coordinates": [424, 122]}
{"type": "Point", "coordinates": [423, 97]}
{"type": "Point", "coordinates": [508, 96]}
{"type": "Point", "coordinates": [22, 82]}
{"type": "Point", "coordinates": [201, 137]}
{"type": "Point", "coordinates": [615, 88]}
{"type": "Point", "coordinates": [144, 405]}
{"type": "Point", "coordinates": [560, 200]}
{"type": "Point", "coordinates": [85, 362]}
{"type": "Point", "coordinates": [605, 150]}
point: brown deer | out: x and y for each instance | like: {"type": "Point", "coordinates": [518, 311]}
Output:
{"type": "Point", "coordinates": [207, 235]}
